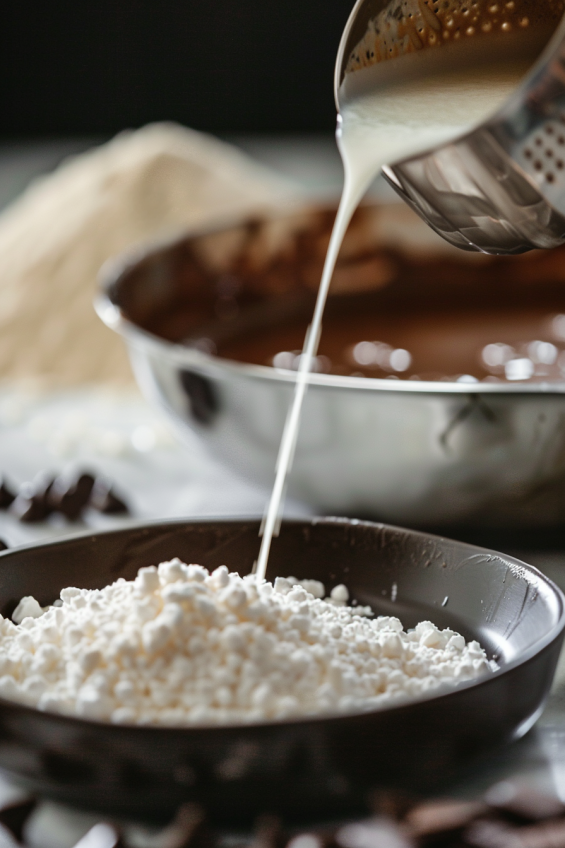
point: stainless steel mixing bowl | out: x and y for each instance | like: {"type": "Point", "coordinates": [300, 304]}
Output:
{"type": "Point", "coordinates": [409, 452]}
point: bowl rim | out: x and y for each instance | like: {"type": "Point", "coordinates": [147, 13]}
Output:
{"type": "Point", "coordinates": [539, 645]}
{"type": "Point", "coordinates": [114, 318]}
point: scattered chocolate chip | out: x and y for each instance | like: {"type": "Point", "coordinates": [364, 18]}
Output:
{"type": "Point", "coordinates": [491, 834]}
{"type": "Point", "coordinates": [69, 495]}
{"type": "Point", "coordinates": [189, 829]}
{"type": "Point", "coordinates": [7, 496]}
{"type": "Point", "coordinates": [544, 834]}
{"type": "Point", "coordinates": [105, 500]}
{"type": "Point", "coordinates": [397, 823]}
{"type": "Point", "coordinates": [268, 833]}
{"type": "Point", "coordinates": [390, 803]}
{"type": "Point", "coordinates": [64, 494]}
{"type": "Point", "coordinates": [32, 501]}
{"type": "Point", "coordinates": [101, 836]}
{"type": "Point", "coordinates": [442, 816]}
{"type": "Point", "coordinates": [3, 545]}
{"type": "Point", "coordinates": [373, 833]}
{"type": "Point", "coordinates": [307, 840]}
{"type": "Point", "coordinates": [522, 803]}
{"type": "Point", "coordinates": [14, 815]}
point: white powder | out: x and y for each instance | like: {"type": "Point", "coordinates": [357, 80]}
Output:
{"type": "Point", "coordinates": [54, 239]}
{"type": "Point", "coordinates": [181, 646]}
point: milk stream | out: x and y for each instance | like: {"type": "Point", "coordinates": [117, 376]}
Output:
{"type": "Point", "coordinates": [382, 126]}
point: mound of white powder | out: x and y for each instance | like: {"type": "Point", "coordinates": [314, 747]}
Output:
{"type": "Point", "coordinates": [181, 646]}
{"type": "Point", "coordinates": [142, 185]}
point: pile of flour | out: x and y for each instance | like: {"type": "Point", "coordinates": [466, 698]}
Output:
{"type": "Point", "coordinates": [181, 646]}
{"type": "Point", "coordinates": [54, 239]}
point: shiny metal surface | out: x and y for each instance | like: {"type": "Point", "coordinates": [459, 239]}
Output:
{"type": "Point", "coordinates": [404, 451]}
{"type": "Point", "coordinates": [501, 188]}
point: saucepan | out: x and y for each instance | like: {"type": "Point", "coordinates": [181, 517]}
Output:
{"type": "Point", "coordinates": [315, 767]}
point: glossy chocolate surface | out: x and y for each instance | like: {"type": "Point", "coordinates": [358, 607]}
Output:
{"type": "Point", "coordinates": [247, 294]}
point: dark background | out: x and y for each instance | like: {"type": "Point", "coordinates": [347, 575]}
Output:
{"type": "Point", "coordinates": [97, 66]}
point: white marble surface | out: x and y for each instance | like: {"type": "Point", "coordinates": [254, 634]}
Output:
{"type": "Point", "coordinates": [120, 436]}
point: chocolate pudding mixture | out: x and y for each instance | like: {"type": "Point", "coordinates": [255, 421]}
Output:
{"type": "Point", "coordinates": [450, 344]}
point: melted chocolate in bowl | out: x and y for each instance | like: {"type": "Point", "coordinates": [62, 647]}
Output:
{"type": "Point", "coordinates": [448, 343]}
{"type": "Point", "coordinates": [403, 309]}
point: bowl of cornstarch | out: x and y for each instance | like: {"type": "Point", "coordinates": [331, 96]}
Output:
{"type": "Point", "coordinates": [146, 666]}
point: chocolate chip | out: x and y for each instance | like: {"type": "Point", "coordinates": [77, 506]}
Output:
{"type": "Point", "coordinates": [189, 829]}
{"type": "Point", "coordinates": [390, 803]}
{"type": "Point", "coordinates": [442, 816]}
{"type": "Point", "coordinates": [546, 834]}
{"type": "Point", "coordinates": [491, 834]}
{"type": "Point", "coordinates": [308, 840]}
{"type": "Point", "coordinates": [3, 545]}
{"type": "Point", "coordinates": [523, 803]}
{"type": "Point", "coordinates": [7, 496]}
{"type": "Point", "coordinates": [14, 815]}
{"type": "Point", "coordinates": [268, 833]}
{"type": "Point", "coordinates": [70, 494]}
{"type": "Point", "coordinates": [104, 499]}
{"type": "Point", "coordinates": [32, 501]}
{"type": "Point", "coordinates": [29, 511]}
{"type": "Point", "coordinates": [101, 836]}
{"type": "Point", "coordinates": [373, 833]}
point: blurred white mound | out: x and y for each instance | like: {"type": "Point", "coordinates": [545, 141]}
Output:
{"type": "Point", "coordinates": [56, 236]}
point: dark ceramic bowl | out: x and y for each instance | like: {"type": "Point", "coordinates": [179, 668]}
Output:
{"type": "Point", "coordinates": [321, 766]}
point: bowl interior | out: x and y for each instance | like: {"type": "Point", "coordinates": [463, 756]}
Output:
{"type": "Point", "coordinates": [507, 606]}
{"type": "Point", "coordinates": [313, 767]}
{"type": "Point", "coordinates": [246, 293]}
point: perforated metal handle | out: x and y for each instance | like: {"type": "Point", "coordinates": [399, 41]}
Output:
{"type": "Point", "coordinates": [501, 188]}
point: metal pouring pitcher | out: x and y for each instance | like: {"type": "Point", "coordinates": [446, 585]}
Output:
{"type": "Point", "coordinates": [500, 188]}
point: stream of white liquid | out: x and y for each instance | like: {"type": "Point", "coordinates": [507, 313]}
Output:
{"type": "Point", "coordinates": [380, 128]}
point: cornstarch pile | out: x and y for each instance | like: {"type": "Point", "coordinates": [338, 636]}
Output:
{"type": "Point", "coordinates": [181, 646]}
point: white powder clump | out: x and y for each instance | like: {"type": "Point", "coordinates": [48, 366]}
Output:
{"type": "Point", "coordinates": [151, 184]}
{"type": "Point", "coordinates": [181, 646]}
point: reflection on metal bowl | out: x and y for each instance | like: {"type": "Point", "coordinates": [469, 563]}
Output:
{"type": "Point", "coordinates": [318, 766]}
{"type": "Point", "coordinates": [463, 423]}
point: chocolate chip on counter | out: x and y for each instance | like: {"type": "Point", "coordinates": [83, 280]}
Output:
{"type": "Point", "coordinates": [486, 833]}
{"type": "Point", "coordinates": [544, 834]}
{"type": "Point", "coordinates": [32, 501]}
{"type": "Point", "coordinates": [189, 829]}
{"type": "Point", "coordinates": [7, 496]}
{"type": "Point", "coordinates": [14, 815]}
{"type": "Point", "coordinates": [101, 836]}
{"type": "Point", "coordinates": [268, 832]}
{"type": "Point", "coordinates": [373, 833]}
{"type": "Point", "coordinates": [104, 499]}
{"type": "Point", "coordinates": [308, 839]}
{"type": "Point", "coordinates": [70, 494]}
{"type": "Point", "coordinates": [442, 816]}
{"type": "Point", "coordinates": [390, 803]}
{"type": "Point", "coordinates": [28, 510]}
{"type": "Point", "coordinates": [522, 803]}
{"type": "Point", "coordinates": [3, 545]}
